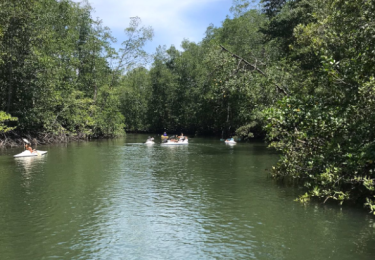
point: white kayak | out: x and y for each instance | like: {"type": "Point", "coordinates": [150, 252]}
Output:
{"type": "Point", "coordinates": [179, 142]}
{"type": "Point", "coordinates": [230, 142]}
{"type": "Point", "coordinates": [27, 153]}
{"type": "Point", "coordinates": [149, 142]}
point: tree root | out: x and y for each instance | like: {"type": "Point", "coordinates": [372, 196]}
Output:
{"type": "Point", "coordinates": [14, 139]}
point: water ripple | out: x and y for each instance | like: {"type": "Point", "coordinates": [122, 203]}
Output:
{"type": "Point", "coordinates": [125, 200]}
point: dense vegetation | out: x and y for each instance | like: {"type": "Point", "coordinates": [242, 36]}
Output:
{"type": "Point", "coordinates": [59, 75]}
{"type": "Point", "coordinates": [324, 127]}
{"type": "Point", "coordinates": [298, 73]}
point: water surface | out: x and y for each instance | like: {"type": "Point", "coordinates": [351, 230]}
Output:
{"type": "Point", "coordinates": [121, 199]}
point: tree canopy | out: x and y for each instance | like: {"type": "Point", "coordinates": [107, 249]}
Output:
{"type": "Point", "coordinates": [56, 71]}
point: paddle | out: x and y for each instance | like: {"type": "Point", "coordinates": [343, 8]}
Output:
{"type": "Point", "coordinates": [26, 141]}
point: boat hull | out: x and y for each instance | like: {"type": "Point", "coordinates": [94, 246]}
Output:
{"type": "Point", "coordinates": [176, 143]}
{"type": "Point", "coordinates": [30, 154]}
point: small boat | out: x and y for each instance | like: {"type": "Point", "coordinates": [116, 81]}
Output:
{"type": "Point", "coordinates": [150, 140]}
{"type": "Point", "coordinates": [27, 153]}
{"type": "Point", "coordinates": [175, 142]}
{"type": "Point", "coordinates": [230, 142]}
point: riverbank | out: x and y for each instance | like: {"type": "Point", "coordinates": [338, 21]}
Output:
{"type": "Point", "coordinates": [14, 139]}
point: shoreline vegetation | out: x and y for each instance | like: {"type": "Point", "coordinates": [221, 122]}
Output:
{"type": "Point", "coordinates": [299, 74]}
{"type": "Point", "coordinates": [14, 140]}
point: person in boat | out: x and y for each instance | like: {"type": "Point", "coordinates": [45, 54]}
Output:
{"type": "Point", "coordinates": [182, 137]}
{"type": "Point", "coordinates": [150, 138]}
{"type": "Point", "coordinates": [164, 137]}
{"type": "Point", "coordinates": [230, 139]}
{"type": "Point", "coordinates": [29, 148]}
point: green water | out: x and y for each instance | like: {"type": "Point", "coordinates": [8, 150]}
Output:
{"type": "Point", "coordinates": [120, 199]}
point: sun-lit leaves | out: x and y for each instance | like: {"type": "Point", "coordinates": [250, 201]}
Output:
{"type": "Point", "coordinates": [4, 119]}
{"type": "Point", "coordinates": [324, 129]}
{"type": "Point", "coordinates": [59, 74]}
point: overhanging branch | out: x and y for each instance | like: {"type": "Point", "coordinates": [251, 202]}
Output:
{"type": "Point", "coordinates": [279, 88]}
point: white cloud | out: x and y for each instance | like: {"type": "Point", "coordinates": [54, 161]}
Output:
{"type": "Point", "coordinates": [163, 13]}
{"type": "Point", "coordinates": [172, 20]}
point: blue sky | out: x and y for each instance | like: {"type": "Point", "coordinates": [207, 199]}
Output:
{"type": "Point", "coordinates": [172, 20]}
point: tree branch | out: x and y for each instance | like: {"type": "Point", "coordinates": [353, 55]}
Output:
{"type": "Point", "coordinates": [256, 69]}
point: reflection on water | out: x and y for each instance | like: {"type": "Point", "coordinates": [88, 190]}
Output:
{"type": "Point", "coordinates": [28, 166]}
{"type": "Point", "coordinates": [122, 199]}
{"type": "Point", "coordinates": [28, 163]}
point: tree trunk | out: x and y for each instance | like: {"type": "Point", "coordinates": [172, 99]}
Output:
{"type": "Point", "coordinates": [10, 86]}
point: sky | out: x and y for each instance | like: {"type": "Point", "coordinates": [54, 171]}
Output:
{"type": "Point", "coordinates": [172, 20]}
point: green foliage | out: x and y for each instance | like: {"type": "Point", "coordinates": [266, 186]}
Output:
{"type": "Point", "coordinates": [203, 88]}
{"type": "Point", "coordinates": [55, 73]}
{"type": "Point", "coordinates": [134, 99]}
{"type": "Point", "coordinates": [325, 131]}
{"type": "Point", "coordinates": [327, 147]}
{"type": "Point", "coordinates": [284, 17]}
{"type": "Point", "coordinates": [272, 7]}
{"type": "Point", "coordinates": [4, 118]}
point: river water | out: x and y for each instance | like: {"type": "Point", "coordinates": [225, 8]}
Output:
{"type": "Point", "coordinates": [121, 199]}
